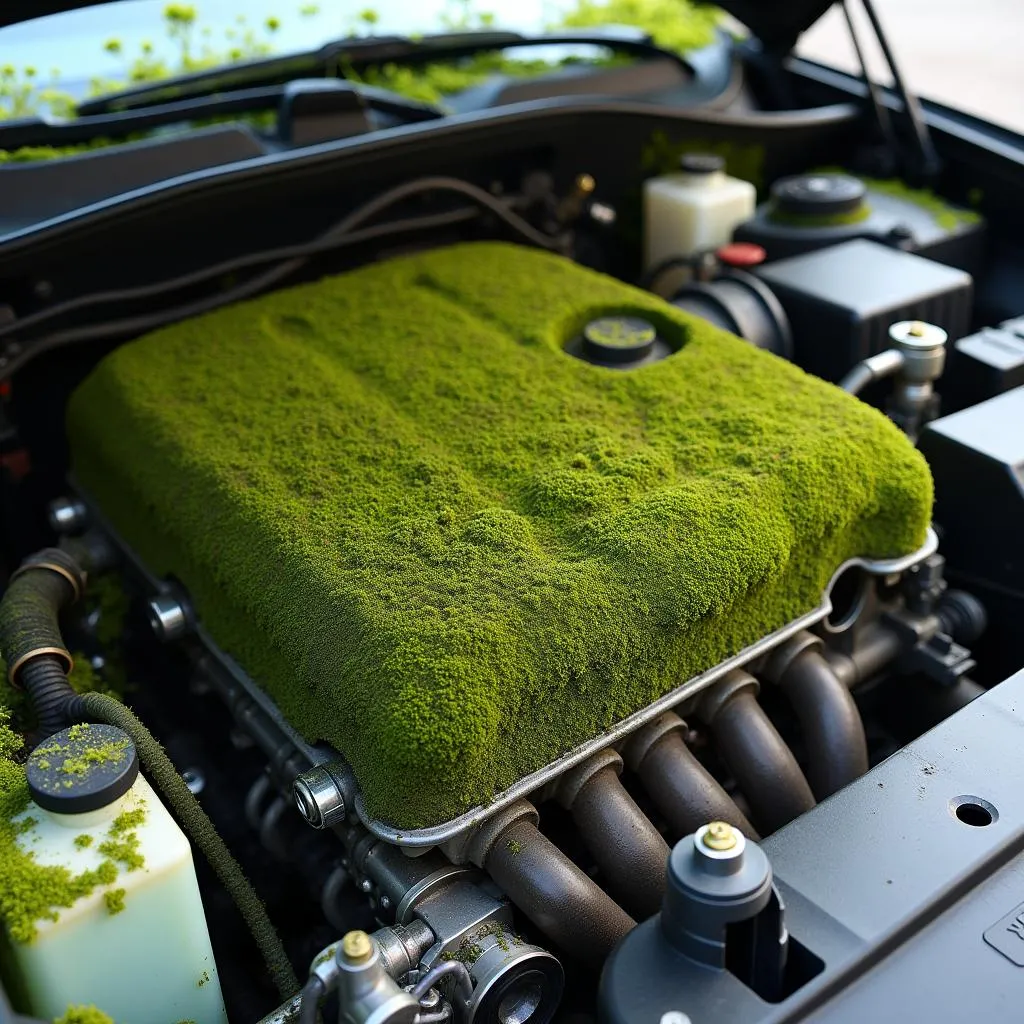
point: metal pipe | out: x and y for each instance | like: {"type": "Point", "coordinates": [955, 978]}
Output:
{"type": "Point", "coordinates": [681, 787]}
{"type": "Point", "coordinates": [566, 905]}
{"type": "Point", "coordinates": [763, 765]}
{"type": "Point", "coordinates": [629, 851]}
{"type": "Point", "coordinates": [837, 748]}
{"type": "Point", "coordinates": [882, 364]}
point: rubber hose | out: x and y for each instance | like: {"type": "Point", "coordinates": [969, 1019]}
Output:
{"type": "Point", "coordinates": [102, 708]}
{"type": "Point", "coordinates": [49, 691]}
{"type": "Point", "coordinates": [837, 749]}
{"type": "Point", "coordinates": [628, 849]}
{"type": "Point", "coordinates": [962, 616]}
{"type": "Point", "coordinates": [763, 765]}
{"type": "Point", "coordinates": [685, 792]}
{"type": "Point", "coordinates": [555, 894]}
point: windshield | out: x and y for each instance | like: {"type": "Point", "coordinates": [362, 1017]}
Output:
{"type": "Point", "coordinates": [966, 56]}
{"type": "Point", "coordinates": [97, 50]}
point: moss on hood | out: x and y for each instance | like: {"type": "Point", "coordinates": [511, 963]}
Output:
{"type": "Point", "coordinates": [454, 551]}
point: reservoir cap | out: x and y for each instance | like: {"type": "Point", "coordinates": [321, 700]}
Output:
{"type": "Point", "coordinates": [701, 163]}
{"type": "Point", "coordinates": [619, 339]}
{"type": "Point", "coordinates": [82, 768]}
{"type": "Point", "coordinates": [819, 195]}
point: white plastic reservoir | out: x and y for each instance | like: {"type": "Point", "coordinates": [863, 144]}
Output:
{"type": "Point", "coordinates": [138, 948]}
{"type": "Point", "coordinates": [694, 209]}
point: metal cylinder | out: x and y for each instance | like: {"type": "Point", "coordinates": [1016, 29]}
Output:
{"type": "Point", "coordinates": [566, 905]}
{"type": "Point", "coordinates": [763, 765]}
{"type": "Point", "coordinates": [682, 788]}
{"type": "Point", "coordinates": [168, 618]}
{"type": "Point", "coordinates": [319, 795]}
{"type": "Point", "coordinates": [627, 848]}
{"type": "Point", "coordinates": [837, 749]}
{"type": "Point", "coordinates": [67, 515]}
{"type": "Point", "coordinates": [513, 981]}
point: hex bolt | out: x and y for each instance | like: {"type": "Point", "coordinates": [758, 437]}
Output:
{"type": "Point", "coordinates": [168, 618]}
{"type": "Point", "coordinates": [67, 515]}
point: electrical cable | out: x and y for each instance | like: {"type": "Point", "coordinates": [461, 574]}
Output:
{"type": "Point", "coordinates": [293, 257]}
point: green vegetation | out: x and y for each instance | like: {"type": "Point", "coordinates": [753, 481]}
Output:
{"type": "Point", "coordinates": [832, 220]}
{"type": "Point", "coordinates": [678, 25]}
{"type": "Point", "coordinates": [84, 1015]}
{"type": "Point", "coordinates": [454, 551]}
{"type": "Point", "coordinates": [662, 154]}
{"type": "Point", "coordinates": [946, 216]}
{"type": "Point", "coordinates": [114, 900]}
{"type": "Point", "coordinates": [83, 841]}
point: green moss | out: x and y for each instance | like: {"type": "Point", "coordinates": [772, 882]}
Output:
{"type": "Point", "coordinates": [122, 844]}
{"type": "Point", "coordinates": [77, 760]}
{"type": "Point", "coordinates": [204, 979]}
{"type": "Point", "coordinates": [454, 551]}
{"type": "Point", "coordinates": [114, 899]}
{"type": "Point", "coordinates": [84, 1015]}
{"type": "Point", "coordinates": [946, 215]}
{"type": "Point", "coordinates": [807, 220]}
{"type": "Point", "coordinates": [515, 847]}
{"type": "Point", "coordinates": [661, 156]}
{"type": "Point", "coordinates": [679, 25]}
{"type": "Point", "coordinates": [83, 841]}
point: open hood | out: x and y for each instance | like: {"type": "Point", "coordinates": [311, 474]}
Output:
{"type": "Point", "coordinates": [777, 23]}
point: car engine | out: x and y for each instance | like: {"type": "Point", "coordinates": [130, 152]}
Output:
{"type": "Point", "coordinates": [538, 576]}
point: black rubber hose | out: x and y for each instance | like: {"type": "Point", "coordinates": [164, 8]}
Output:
{"type": "Point", "coordinates": [758, 757]}
{"type": "Point", "coordinates": [628, 849]}
{"type": "Point", "coordinates": [567, 906]}
{"type": "Point", "coordinates": [685, 792]}
{"type": "Point", "coordinates": [31, 644]}
{"type": "Point", "coordinates": [837, 749]}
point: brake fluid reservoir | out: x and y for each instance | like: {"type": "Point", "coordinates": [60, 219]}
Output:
{"type": "Point", "coordinates": [134, 943]}
{"type": "Point", "coordinates": [695, 209]}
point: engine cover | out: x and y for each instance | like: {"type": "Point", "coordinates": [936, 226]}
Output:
{"type": "Point", "coordinates": [452, 549]}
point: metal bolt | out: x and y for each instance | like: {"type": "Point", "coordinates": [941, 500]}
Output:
{"type": "Point", "coordinates": [67, 515]}
{"type": "Point", "coordinates": [430, 1001]}
{"type": "Point", "coordinates": [720, 835]}
{"type": "Point", "coordinates": [356, 947]}
{"type": "Point", "coordinates": [675, 1017]}
{"type": "Point", "coordinates": [366, 885]}
{"type": "Point", "coordinates": [585, 184]}
{"type": "Point", "coordinates": [168, 618]}
{"type": "Point", "coordinates": [195, 780]}
{"type": "Point", "coordinates": [97, 661]}
{"type": "Point", "coordinates": [385, 903]}
{"type": "Point", "coordinates": [319, 797]}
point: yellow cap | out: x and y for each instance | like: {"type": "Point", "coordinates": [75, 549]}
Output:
{"type": "Point", "coordinates": [357, 947]}
{"type": "Point", "coordinates": [719, 836]}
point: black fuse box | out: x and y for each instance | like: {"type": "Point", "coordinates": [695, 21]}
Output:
{"type": "Point", "coordinates": [842, 300]}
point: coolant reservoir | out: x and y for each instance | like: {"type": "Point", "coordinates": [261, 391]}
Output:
{"type": "Point", "coordinates": [695, 209]}
{"type": "Point", "coordinates": [135, 944]}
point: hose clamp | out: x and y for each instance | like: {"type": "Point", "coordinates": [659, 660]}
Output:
{"type": "Point", "coordinates": [36, 652]}
{"type": "Point", "coordinates": [77, 584]}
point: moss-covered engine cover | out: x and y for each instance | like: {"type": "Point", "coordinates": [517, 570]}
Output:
{"type": "Point", "coordinates": [453, 550]}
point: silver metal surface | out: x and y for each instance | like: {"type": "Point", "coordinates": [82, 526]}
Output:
{"type": "Point", "coordinates": [437, 834]}
{"type": "Point", "coordinates": [167, 618]}
{"type": "Point", "coordinates": [531, 977]}
{"type": "Point", "coordinates": [441, 878]}
{"type": "Point", "coordinates": [368, 995]}
{"type": "Point", "coordinates": [319, 796]}
{"type": "Point", "coordinates": [67, 515]}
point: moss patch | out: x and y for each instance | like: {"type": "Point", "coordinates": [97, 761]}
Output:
{"type": "Point", "coordinates": [84, 1015]}
{"type": "Point", "coordinates": [114, 899]}
{"type": "Point", "coordinates": [454, 551]}
{"type": "Point", "coordinates": [810, 220]}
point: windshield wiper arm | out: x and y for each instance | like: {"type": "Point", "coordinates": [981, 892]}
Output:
{"type": "Point", "coordinates": [332, 59]}
{"type": "Point", "coordinates": [345, 98]}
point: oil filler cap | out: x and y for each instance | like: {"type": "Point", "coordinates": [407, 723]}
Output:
{"type": "Point", "coordinates": [82, 768]}
{"type": "Point", "coordinates": [818, 195]}
{"type": "Point", "coordinates": [618, 339]}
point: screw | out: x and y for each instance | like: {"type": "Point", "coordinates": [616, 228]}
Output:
{"type": "Point", "coordinates": [720, 836]}
{"type": "Point", "coordinates": [585, 184]}
{"type": "Point", "coordinates": [385, 903]}
{"type": "Point", "coordinates": [366, 885]}
{"type": "Point", "coordinates": [356, 947]}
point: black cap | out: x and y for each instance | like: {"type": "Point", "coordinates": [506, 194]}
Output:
{"type": "Point", "coordinates": [819, 195]}
{"type": "Point", "coordinates": [619, 339]}
{"type": "Point", "coordinates": [82, 768]}
{"type": "Point", "coordinates": [701, 163]}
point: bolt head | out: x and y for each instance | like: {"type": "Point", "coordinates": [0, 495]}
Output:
{"type": "Point", "coordinates": [356, 947]}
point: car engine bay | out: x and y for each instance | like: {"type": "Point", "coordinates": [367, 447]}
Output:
{"type": "Point", "coordinates": [553, 563]}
